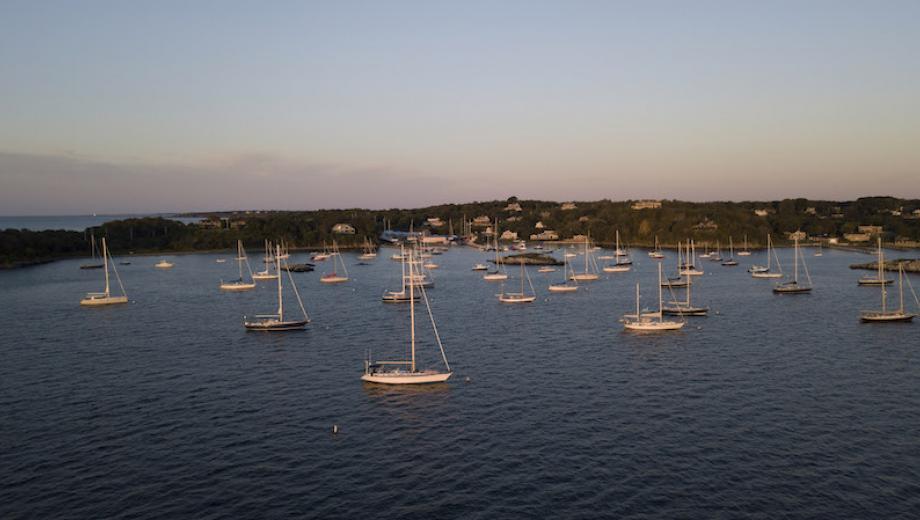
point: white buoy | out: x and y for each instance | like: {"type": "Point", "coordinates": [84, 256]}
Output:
{"type": "Point", "coordinates": [335, 429]}
{"type": "Point", "coordinates": [467, 379]}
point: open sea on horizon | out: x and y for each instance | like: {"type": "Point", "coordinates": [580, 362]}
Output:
{"type": "Point", "coordinates": [774, 406]}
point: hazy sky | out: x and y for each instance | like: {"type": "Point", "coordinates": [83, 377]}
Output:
{"type": "Point", "coordinates": [168, 106]}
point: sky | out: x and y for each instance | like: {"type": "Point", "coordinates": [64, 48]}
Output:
{"type": "Point", "coordinates": [157, 106]}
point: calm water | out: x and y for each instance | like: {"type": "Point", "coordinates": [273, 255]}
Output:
{"type": "Point", "coordinates": [773, 407]}
{"type": "Point", "coordinates": [74, 222]}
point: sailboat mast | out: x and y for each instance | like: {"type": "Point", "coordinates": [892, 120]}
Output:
{"type": "Point", "coordinates": [660, 312]}
{"type": "Point", "coordinates": [586, 253]}
{"type": "Point", "coordinates": [105, 259]}
{"type": "Point", "coordinates": [795, 257]}
{"type": "Point", "coordinates": [769, 246]}
{"type": "Point", "coordinates": [239, 257]}
{"type": "Point", "coordinates": [901, 285]}
{"type": "Point", "coordinates": [402, 260]}
{"type": "Point", "coordinates": [881, 275]}
{"type": "Point", "coordinates": [522, 277]}
{"type": "Point", "coordinates": [412, 308]}
{"type": "Point", "coordinates": [637, 300]}
{"type": "Point", "coordinates": [278, 272]}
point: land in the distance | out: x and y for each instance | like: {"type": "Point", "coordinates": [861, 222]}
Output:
{"type": "Point", "coordinates": [843, 223]}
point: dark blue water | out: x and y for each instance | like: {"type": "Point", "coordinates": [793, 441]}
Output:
{"type": "Point", "coordinates": [773, 407]}
{"type": "Point", "coordinates": [74, 222]}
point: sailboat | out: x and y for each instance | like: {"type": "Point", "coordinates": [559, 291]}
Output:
{"type": "Point", "coordinates": [105, 297]}
{"type": "Point", "coordinates": [266, 273]}
{"type": "Point", "coordinates": [321, 257]}
{"type": "Point", "coordinates": [621, 266]}
{"type": "Point", "coordinates": [368, 252]}
{"type": "Point", "coordinates": [334, 276]}
{"type": "Point", "coordinates": [284, 251]}
{"type": "Point", "coordinates": [405, 372]}
{"type": "Point", "coordinates": [685, 307]}
{"type": "Point", "coordinates": [677, 281]}
{"type": "Point", "coordinates": [565, 286]}
{"type": "Point", "coordinates": [759, 271]}
{"type": "Point", "coordinates": [878, 279]}
{"type": "Point", "coordinates": [717, 256]}
{"type": "Point", "coordinates": [819, 251]}
{"type": "Point", "coordinates": [240, 284]}
{"type": "Point", "coordinates": [403, 294]}
{"type": "Point", "coordinates": [620, 252]}
{"type": "Point", "coordinates": [689, 268]}
{"type": "Point", "coordinates": [885, 315]}
{"type": "Point", "coordinates": [481, 267]}
{"type": "Point", "coordinates": [653, 321]}
{"type": "Point", "coordinates": [590, 272]}
{"type": "Point", "coordinates": [745, 251]}
{"type": "Point", "coordinates": [519, 297]}
{"type": "Point", "coordinates": [793, 286]}
{"type": "Point", "coordinates": [276, 322]}
{"type": "Point", "coordinates": [730, 262]}
{"type": "Point", "coordinates": [92, 247]}
{"type": "Point", "coordinates": [164, 264]}
{"type": "Point", "coordinates": [499, 273]}
{"type": "Point", "coordinates": [656, 253]}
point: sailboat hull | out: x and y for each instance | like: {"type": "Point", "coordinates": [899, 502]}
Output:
{"type": "Point", "coordinates": [237, 287]}
{"type": "Point", "coordinates": [616, 268]}
{"type": "Point", "coordinates": [406, 378]}
{"type": "Point", "coordinates": [92, 266]}
{"type": "Point", "coordinates": [766, 275]}
{"type": "Point", "coordinates": [333, 279]}
{"type": "Point", "coordinates": [263, 276]}
{"type": "Point", "coordinates": [653, 326]}
{"type": "Point", "coordinates": [584, 277]}
{"type": "Point", "coordinates": [885, 317]}
{"type": "Point", "coordinates": [275, 325]}
{"type": "Point", "coordinates": [791, 289]}
{"type": "Point", "coordinates": [516, 298]}
{"type": "Point", "coordinates": [875, 281]}
{"type": "Point", "coordinates": [685, 311]}
{"type": "Point", "coordinates": [492, 277]}
{"type": "Point", "coordinates": [563, 288]}
{"type": "Point", "coordinates": [98, 301]}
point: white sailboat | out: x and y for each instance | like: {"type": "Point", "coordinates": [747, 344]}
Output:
{"type": "Point", "coordinates": [730, 261]}
{"type": "Point", "coordinates": [240, 284]}
{"type": "Point", "coordinates": [402, 295]}
{"type": "Point", "coordinates": [499, 273]}
{"type": "Point", "coordinates": [334, 276]}
{"type": "Point", "coordinates": [481, 267]}
{"type": "Point", "coordinates": [405, 372]}
{"type": "Point", "coordinates": [689, 268]}
{"type": "Point", "coordinates": [519, 297]}
{"type": "Point", "coordinates": [164, 264]}
{"type": "Point", "coordinates": [621, 266]}
{"type": "Point", "coordinates": [656, 253]}
{"type": "Point", "coordinates": [321, 257]}
{"type": "Point", "coordinates": [650, 321]}
{"type": "Point", "coordinates": [759, 271]}
{"type": "Point", "coordinates": [368, 251]}
{"type": "Point", "coordinates": [105, 297]}
{"type": "Point", "coordinates": [879, 278]}
{"type": "Point", "coordinates": [745, 251]}
{"type": "Point", "coordinates": [276, 322]}
{"type": "Point", "coordinates": [590, 272]}
{"type": "Point", "coordinates": [793, 286]}
{"type": "Point", "coordinates": [885, 315]}
{"type": "Point", "coordinates": [565, 286]}
{"type": "Point", "coordinates": [266, 274]}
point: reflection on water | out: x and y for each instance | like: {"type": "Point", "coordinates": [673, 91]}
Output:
{"type": "Point", "coordinates": [167, 407]}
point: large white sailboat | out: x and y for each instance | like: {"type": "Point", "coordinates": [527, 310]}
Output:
{"type": "Point", "coordinates": [368, 252]}
{"type": "Point", "coordinates": [656, 253]}
{"type": "Point", "coordinates": [335, 276]}
{"type": "Point", "coordinates": [276, 322]}
{"type": "Point", "coordinates": [590, 272]}
{"type": "Point", "coordinates": [402, 295]}
{"type": "Point", "coordinates": [680, 280]}
{"type": "Point", "coordinates": [689, 267]}
{"type": "Point", "coordinates": [405, 372]}
{"type": "Point", "coordinates": [106, 297]}
{"type": "Point", "coordinates": [650, 321]}
{"type": "Point", "coordinates": [240, 284]}
{"type": "Point", "coordinates": [886, 315]}
{"type": "Point", "coordinates": [519, 297]}
{"type": "Point", "coordinates": [683, 307]}
{"type": "Point", "coordinates": [793, 286]}
{"type": "Point", "coordinates": [759, 271]}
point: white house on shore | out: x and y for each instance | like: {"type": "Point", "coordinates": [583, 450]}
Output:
{"type": "Point", "coordinates": [343, 229]}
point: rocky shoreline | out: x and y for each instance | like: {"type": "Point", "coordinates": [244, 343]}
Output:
{"type": "Point", "coordinates": [528, 259]}
{"type": "Point", "coordinates": [910, 265]}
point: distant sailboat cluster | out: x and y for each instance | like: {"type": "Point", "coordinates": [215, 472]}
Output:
{"type": "Point", "coordinates": [415, 277]}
